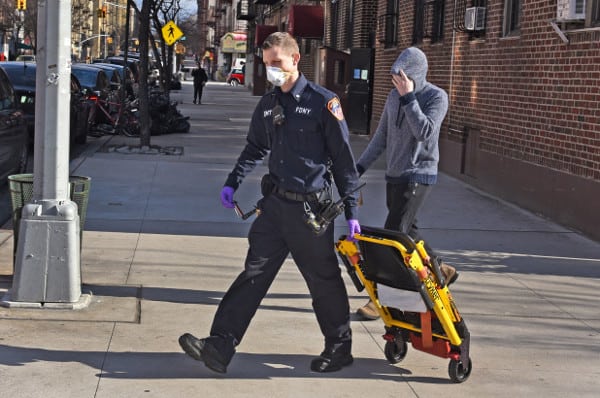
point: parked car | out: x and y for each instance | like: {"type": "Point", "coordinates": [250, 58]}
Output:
{"type": "Point", "coordinates": [132, 63]}
{"type": "Point", "coordinates": [153, 66]}
{"type": "Point", "coordinates": [236, 77]}
{"type": "Point", "coordinates": [27, 58]}
{"type": "Point", "coordinates": [96, 87]}
{"type": "Point", "coordinates": [14, 139]}
{"type": "Point", "coordinates": [22, 77]}
{"type": "Point", "coordinates": [126, 76]}
{"type": "Point", "coordinates": [112, 73]}
{"type": "Point", "coordinates": [83, 109]}
{"type": "Point", "coordinates": [186, 69]}
{"type": "Point", "coordinates": [93, 80]}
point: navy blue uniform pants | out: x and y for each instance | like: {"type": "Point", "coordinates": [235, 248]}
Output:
{"type": "Point", "coordinates": [278, 231]}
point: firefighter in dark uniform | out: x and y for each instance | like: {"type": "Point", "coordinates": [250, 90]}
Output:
{"type": "Point", "coordinates": [301, 126]}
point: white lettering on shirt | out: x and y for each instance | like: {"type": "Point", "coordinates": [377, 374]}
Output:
{"type": "Point", "coordinates": [303, 111]}
{"type": "Point", "coordinates": [267, 112]}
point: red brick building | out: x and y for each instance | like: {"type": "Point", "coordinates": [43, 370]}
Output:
{"type": "Point", "coordinates": [524, 88]}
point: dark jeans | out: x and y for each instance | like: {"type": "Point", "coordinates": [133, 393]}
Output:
{"type": "Point", "coordinates": [198, 87]}
{"type": "Point", "coordinates": [403, 202]}
{"type": "Point", "coordinates": [279, 230]}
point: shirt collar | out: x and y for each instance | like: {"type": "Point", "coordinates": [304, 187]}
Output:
{"type": "Point", "coordinates": [298, 89]}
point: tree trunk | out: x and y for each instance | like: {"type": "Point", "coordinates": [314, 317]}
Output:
{"type": "Point", "coordinates": [201, 21]}
{"type": "Point", "coordinates": [143, 84]}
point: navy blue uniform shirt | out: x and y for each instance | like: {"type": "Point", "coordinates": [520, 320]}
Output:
{"type": "Point", "coordinates": [313, 134]}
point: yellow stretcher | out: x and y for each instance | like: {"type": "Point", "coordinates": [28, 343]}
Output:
{"type": "Point", "coordinates": [408, 289]}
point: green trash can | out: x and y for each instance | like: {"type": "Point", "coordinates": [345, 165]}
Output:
{"type": "Point", "coordinates": [21, 193]}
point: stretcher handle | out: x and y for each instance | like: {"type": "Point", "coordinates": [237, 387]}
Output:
{"type": "Point", "coordinates": [350, 267]}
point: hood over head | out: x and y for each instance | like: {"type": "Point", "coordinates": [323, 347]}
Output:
{"type": "Point", "coordinates": [414, 64]}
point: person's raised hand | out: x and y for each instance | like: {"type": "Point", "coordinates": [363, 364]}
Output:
{"type": "Point", "coordinates": [403, 83]}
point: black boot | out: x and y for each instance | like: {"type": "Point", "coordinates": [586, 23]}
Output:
{"type": "Point", "coordinates": [214, 351]}
{"type": "Point", "coordinates": [333, 358]}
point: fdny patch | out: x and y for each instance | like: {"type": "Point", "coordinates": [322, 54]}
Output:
{"type": "Point", "coordinates": [335, 108]}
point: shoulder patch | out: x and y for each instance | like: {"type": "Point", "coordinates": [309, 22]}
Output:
{"type": "Point", "coordinates": [335, 108]}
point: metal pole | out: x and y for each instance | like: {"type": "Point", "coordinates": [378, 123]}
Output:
{"type": "Point", "coordinates": [47, 266]}
{"type": "Point", "coordinates": [126, 53]}
{"type": "Point", "coordinates": [174, 52]}
{"type": "Point", "coordinates": [105, 35]}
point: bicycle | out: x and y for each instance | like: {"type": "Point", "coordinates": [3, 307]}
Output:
{"type": "Point", "coordinates": [117, 117]}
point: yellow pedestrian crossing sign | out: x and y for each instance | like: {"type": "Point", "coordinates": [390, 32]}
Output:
{"type": "Point", "coordinates": [171, 33]}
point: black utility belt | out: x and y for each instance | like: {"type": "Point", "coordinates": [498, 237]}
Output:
{"type": "Point", "coordinates": [295, 196]}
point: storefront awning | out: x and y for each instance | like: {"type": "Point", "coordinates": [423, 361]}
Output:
{"type": "Point", "coordinates": [306, 21]}
{"type": "Point", "coordinates": [262, 31]}
{"type": "Point", "coordinates": [232, 42]}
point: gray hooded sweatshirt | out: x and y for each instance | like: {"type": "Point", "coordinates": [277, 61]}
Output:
{"type": "Point", "coordinates": [409, 127]}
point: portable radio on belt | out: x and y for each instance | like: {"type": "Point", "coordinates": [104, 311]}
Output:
{"type": "Point", "coordinates": [330, 210]}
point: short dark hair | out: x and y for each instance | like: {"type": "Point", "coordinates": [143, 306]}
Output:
{"type": "Point", "coordinates": [283, 40]}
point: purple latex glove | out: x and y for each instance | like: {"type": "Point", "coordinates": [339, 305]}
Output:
{"type": "Point", "coordinates": [354, 228]}
{"type": "Point", "coordinates": [227, 197]}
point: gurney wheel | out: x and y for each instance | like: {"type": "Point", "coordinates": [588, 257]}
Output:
{"type": "Point", "coordinates": [458, 372]}
{"type": "Point", "coordinates": [395, 351]}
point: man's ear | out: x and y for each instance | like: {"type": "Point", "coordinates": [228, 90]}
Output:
{"type": "Point", "coordinates": [296, 59]}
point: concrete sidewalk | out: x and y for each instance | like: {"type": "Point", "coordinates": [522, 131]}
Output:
{"type": "Point", "coordinates": [159, 252]}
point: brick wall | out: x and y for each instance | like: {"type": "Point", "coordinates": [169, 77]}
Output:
{"type": "Point", "coordinates": [518, 103]}
{"type": "Point", "coordinates": [361, 29]}
{"type": "Point", "coordinates": [534, 98]}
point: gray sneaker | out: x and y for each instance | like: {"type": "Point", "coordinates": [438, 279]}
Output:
{"type": "Point", "coordinates": [449, 272]}
{"type": "Point", "coordinates": [368, 311]}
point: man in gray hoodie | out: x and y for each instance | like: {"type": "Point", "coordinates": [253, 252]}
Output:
{"type": "Point", "coordinates": [408, 132]}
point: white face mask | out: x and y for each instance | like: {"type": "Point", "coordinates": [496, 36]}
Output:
{"type": "Point", "coordinates": [276, 76]}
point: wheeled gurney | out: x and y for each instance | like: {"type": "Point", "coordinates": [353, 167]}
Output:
{"type": "Point", "coordinates": [408, 289]}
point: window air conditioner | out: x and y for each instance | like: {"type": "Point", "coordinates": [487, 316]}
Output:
{"type": "Point", "coordinates": [570, 10]}
{"type": "Point", "coordinates": [475, 18]}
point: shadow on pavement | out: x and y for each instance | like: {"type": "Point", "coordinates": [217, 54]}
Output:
{"type": "Point", "coordinates": [151, 365]}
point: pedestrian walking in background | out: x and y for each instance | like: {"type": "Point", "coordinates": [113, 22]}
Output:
{"type": "Point", "coordinates": [200, 79]}
{"type": "Point", "coordinates": [408, 132]}
{"type": "Point", "coordinates": [302, 126]}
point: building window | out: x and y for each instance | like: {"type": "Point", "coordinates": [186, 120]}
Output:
{"type": "Point", "coordinates": [594, 13]}
{"type": "Point", "coordinates": [335, 11]}
{"type": "Point", "coordinates": [578, 14]}
{"type": "Point", "coordinates": [429, 20]}
{"type": "Point", "coordinates": [387, 25]}
{"type": "Point", "coordinates": [350, 24]}
{"type": "Point", "coordinates": [512, 18]}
